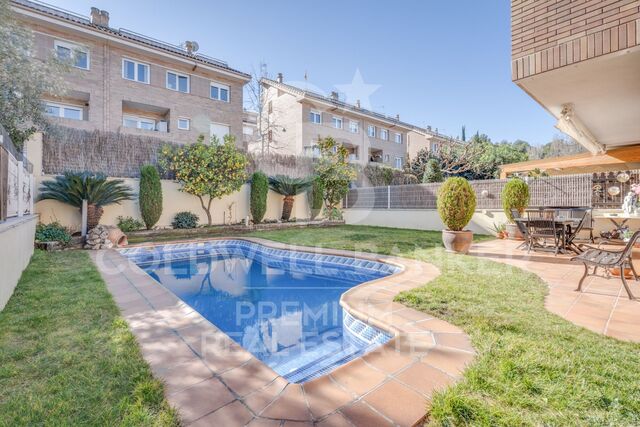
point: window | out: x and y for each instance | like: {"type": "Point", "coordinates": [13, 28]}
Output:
{"type": "Point", "coordinates": [219, 130]}
{"type": "Point", "coordinates": [398, 138]}
{"type": "Point", "coordinates": [64, 111]}
{"type": "Point", "coordinates": [77, 56]}
{"type": "Point", "coordinates": [138, 122]}
{"type": "Point", "coordinates": [434, 147]}
{"type": "Point", "coordinates": [386, 158]}
{"type": "Point", "coordinates": [354, 127]}
{"type": "Point", "coordinates": [371, 131]}
{"type": "Point", "coordinates": [184, 123]}
{"type": "Point", "coordinates": [312, 150]}
{"type": "Point", "coordinates": [219, 92]}
{"type": "Point", "coordinates": [315, 117]}
{"type": "Point", "coordinates": [247, 130]}
{"type": "Point", "coordinates": [337, 122]}
{"type": "Point", "coordinates": [384, 134]}
{"type": "Point", "coordinates": [136, 71]}
{"type": "Point", "coordinates": [398, 162]}
{"type": "Point", "coordinates": [177, 82]}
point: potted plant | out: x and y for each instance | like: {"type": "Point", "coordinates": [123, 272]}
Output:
{"type": "Point", "coordinates": [289, 188]}
{"type": "Point", "coordinates": [501, 230]}
{"type": "Point", "coordinates": [515, 195]}
{"type": "Point", "coordinates": [456, 204]}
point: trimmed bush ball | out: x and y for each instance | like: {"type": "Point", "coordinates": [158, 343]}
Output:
{"type": "Point", "coordinates": [258, 198]}
{"type": "Point", "coordinates": [185, 220]}
{"type": "Point", "coordinates": [150, 197]}
{"type": "Point", "coordinates": [515, 195]}
{"type": "Point", "coordinates": [456, 203]}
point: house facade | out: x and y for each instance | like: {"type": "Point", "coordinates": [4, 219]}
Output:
{"type": "Point", "coordinates": [419, 139]}
{"type": "Point", "coordinates": [580, 60]}
{"type": "Point", "coordinates": [295, 119]}
{"type": "Point", "coordinates": [121, 81]}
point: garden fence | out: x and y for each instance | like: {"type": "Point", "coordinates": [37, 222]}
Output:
{"type": "Point", "coordinates": [16, 180]}
{"type": "Point", "coordinates": [585, 190]}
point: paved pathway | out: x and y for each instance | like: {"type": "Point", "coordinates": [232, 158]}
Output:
{"type": "Point", "coordinates": [214, 382]}
{"type": "Point", "coordinates": [603, 306]}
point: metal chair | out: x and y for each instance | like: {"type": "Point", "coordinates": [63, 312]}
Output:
{"type": "Point", "coordinates": [522, 227]}
{"type": "Point", "coordinates": [541, 226]}
{"type": "Point", "coordinates": [584, 216]}
{"type": "Point", "coordinates": [608, 260]}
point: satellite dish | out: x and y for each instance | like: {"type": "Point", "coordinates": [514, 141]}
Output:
{"type": "Point", "coordinates": [191, 46]}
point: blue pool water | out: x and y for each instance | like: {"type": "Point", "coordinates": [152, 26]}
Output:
{"type": "Point", "coordinates": [282, 306]}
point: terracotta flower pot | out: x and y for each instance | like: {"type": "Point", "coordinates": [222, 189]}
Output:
{"type": "Point", "coordinates": [513, 232]}
{"type": "Point", "coordinates": [117, 237]}
{"type": "Point", "coordinates": [457, 241]}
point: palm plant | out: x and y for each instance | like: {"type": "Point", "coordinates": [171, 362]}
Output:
{"type": "Point", "coordinates": [72, 188]}
{"type": "Point", "coordinates": [288, 187]}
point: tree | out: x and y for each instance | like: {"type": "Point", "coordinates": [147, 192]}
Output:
{"type": "Point", "coordinates": [314, 197]}
{"type": "Point", "coordinates": [335, 173]}
{"type": "Point", "coordinates": [432, 172]}
{"type": "Point", "coordinates": [150, 197]}
{"type": "Point", "coordinates": [72, 188]}
{"type": "Point", "coordinates": [289, 188]}
{"type": "Point", "coordinates": [207, 171]}
{"type": "Point", "coordinates": [24, 79]}
{"type": "Point", "coordinates": [258, 198]}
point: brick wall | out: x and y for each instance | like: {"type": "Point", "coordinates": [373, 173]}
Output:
{"type": "Point", "coordinates": [549, 34]}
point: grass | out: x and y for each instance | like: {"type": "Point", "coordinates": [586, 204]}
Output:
{"type": "Point", "coordinates": [67, 357]}
{"type": "Point", "coordinates": [533, 367]}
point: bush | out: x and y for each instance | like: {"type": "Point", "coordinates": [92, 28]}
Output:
{"type": "Point", "coordinates": [150, 197]}
{"type": "Point", "coordinates": [378, 175]}
{"type": "Point", "coordinates": [258, 198]}
{"type": "Point", "coordinates": [402, 178]}
{"type": "Point", "coordinates": [456, 203]}
{"type": "Point", "coordinates": [314, 197]}
{"type": "Point", "coordinates": [52, 232]}
{"type": "Point", "coordinates": [185, 220]}
{"type": "Point", "coordinates": [432, 172]}
{"type": "Point", "coordinates": [127, 224]}
{"type": "Point", "coordinates": [515, 195]}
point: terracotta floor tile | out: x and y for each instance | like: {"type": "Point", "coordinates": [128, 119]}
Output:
{"type": "Point", "coordinates": [460, 341]}
{"type": "Point", "coordinates": [361, 415]}
{"type": "Point", "coordinates": [437, 325]}
{"type": "Point", "coordinates": [324, 396]}
{"type": "Point", "coordinates": [450, 360]}
{"type": "Point", "coordinates": [260, 399]}
{"type": "Point", "coordinates": [358, 377]}
{"type": "Point", "coordinates": [185, 375]}
{"type": "Point", "coordinates": [200, 399]}
{"type": "Point", "coordinates": [424, 378]}
{"type": "Point", "coordinates": [335, 420]}
{"type": "Point", "coordinates": [386, 359]}
{"type": "Point", "coordinates": [233, 414]}
{"type": "Point", "coordinates": [398, 402]}
{"type": "Point", "coordinates": [263, 422]}
{"type": "Point", "coordinates": [249, 377]}
{"type": "Point", "coordinates": [290, 405]}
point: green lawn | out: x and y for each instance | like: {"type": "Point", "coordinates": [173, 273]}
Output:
{"type": "Point", "coordinates": [533, 368]}
{"type": "Point", "coordinates": [67, 357]}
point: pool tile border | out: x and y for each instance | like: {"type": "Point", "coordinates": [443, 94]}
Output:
{"type": "Point", "coordinates": [211, 380]}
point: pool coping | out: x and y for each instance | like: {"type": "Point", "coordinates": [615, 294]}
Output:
{"type": "Point", "coordinates": [211, 380]}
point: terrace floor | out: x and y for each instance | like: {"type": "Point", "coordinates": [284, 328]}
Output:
{"type": "Point", "coordinates": [602, 307]}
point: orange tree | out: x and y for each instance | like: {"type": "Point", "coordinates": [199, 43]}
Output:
{"type": "Point", "coordinates": [335, 173]}
{"type": "Point", "coordinates": [208, 171]}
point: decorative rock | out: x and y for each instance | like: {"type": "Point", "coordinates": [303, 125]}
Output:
{"type": "Point", "coordinates": [102, 237]}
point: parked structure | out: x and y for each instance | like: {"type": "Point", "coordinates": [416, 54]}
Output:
{"type": "Point", "coordinates": [581, 61]}
{"type": "Point", "coordinates": [122, 81]}
{"type": "Point", "coordinates": [297, 118]}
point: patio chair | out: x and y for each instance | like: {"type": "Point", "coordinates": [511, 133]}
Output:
{"type": "Point", "coordinates": [522, 227]}
{"type": "Point", "coordinates": [606, 259]}
{"type": "Point", "coordinates": [542, 227]}
{"type": "Point", "coordinates": [583, 215]}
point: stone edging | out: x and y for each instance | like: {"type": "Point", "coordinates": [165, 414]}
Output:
{"type": "Point", "coordinates": [213, 381]}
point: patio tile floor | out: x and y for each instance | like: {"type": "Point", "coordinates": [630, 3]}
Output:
{"type": "Point", "coordinates": [602, 307]}
{"type": "Point", "coordinates": [213, 381]}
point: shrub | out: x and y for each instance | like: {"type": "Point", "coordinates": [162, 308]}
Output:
{"type": "Point", "coordinates": [150, 197]}
{"type": "Point", "coordinates": [334, 171]}
{"type": "Point", "coordinates": [432, 172]}
{"type": "Point", "coordinates": [314, 196]}
{"type": "Point", "coordinates": [456, 203]}
{"type": "Point", "coordinates": [515, 195]}
{"type": "Point", "coordinates": [127, 224]}
{"type": "Point", "coordinates": [378, 175]}
{"type": "Point", "coordinates": [402, 178]}
{"type": "Point", "coordinates": [258, 198]}
{"type": "Point", "coordinates": [52, 232]}
{"type": "Point", "coordinates": [185, 220]}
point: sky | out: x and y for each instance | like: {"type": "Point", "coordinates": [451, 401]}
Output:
{"type": "Point", "coordinates": [441, 63]}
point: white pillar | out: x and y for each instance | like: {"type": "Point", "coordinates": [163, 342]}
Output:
{"type": "Point", "coordinates": [20, 176]}
{"type": "Point", "coordinates": [84, 219]}
{"type": "Point", "coordinates": [388, 197]}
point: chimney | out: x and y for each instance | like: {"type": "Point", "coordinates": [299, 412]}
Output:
{"type": "Point", "coordinates": [99, 17]}
{"type": "Point", "coordinates": [279, 78]}
{"type": "Point", "coordinates": [334, 95]}
{"type": "Point", "coordinates": [429, 128]}
{"type": "Point", "coordinates": [398, 117]}
{"type": "Point", "coordinates": [357, 103]}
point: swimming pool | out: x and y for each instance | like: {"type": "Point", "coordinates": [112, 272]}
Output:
{"type": "Point", "coordinates": [282, 306]}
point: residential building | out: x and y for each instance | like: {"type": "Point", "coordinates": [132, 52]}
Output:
{"type": "Point", "coordinates": [297, 118]}
{"type": "Point", "coordinates": [580, 60]}
{"type": "Point", "coordinates": [425, 138]}
{"type": "Point", "coordinates": [249, 129]}
{"type": "Point", "coordinates": [122, 81]}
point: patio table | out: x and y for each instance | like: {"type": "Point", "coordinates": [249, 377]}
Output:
{"type": "Point", "coordinates": [618, 219]}
{"type": "Point", "coordinates": [567, 223]}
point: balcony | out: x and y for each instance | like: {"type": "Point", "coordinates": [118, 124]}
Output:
{"type": "Point", "coordinates": [144, 117]}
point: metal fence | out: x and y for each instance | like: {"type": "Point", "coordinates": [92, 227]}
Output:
{"type": "Point", "coordinates": [16, 180]}
{"type": "Point", "coordinates": [566, 190]}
